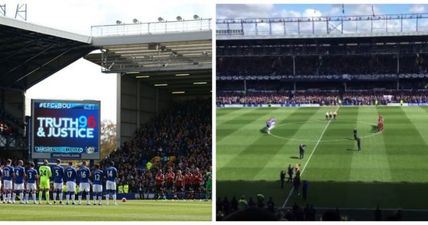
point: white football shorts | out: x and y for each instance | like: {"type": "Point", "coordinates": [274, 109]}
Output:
{"type": "Point", "coordinates": [7, 185]}
{"type": "Point", "coordinates": [31, 187]}
{"type": "Point", "coordinates": [84, 187]}
{"type": "Point", "coordinates": [71, 186]}
{"type": "Point", "coordinates": [96, 188]}
{"type": "Point", "coordinates": [19, 187]}
{"type": "Point", "coordinates": [111, 185]}
{"type": "Point", "coordinates": [58, 186]}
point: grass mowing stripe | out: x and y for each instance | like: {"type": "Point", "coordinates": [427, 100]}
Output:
{"type": "Point", "coordinates": [412, 154]}
{"type": "Point", "coordinates": [419, 122]}
{"type": "Point", "coordinates": [249, 155]}
{"type": "Point", "coordinates": [133, 210]}
{"type": "Point", "coordinates": [309, 159]}
{"type": "Point", "coordinates": [242, 133]}
{"type": "Point", "coordinates": [406, 148]}
{"type": "Point", "coordinates": [232, 125]}
{"type": "Point", "coordinates": [310, 126]}
{"type": "Point", "coordinates": [232, 115]}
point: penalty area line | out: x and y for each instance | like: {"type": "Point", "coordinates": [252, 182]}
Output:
{"type": "Point", "coordinates": [307, 161]}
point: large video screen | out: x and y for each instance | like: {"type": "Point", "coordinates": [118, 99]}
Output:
{"type": "Point", "coordinates": [65, 129]}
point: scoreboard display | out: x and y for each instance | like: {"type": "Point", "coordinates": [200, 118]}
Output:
{"type": "Point", "coordinates": [65, 129]}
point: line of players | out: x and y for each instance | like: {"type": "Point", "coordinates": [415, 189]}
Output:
{"type": "Point", "coordinates": [330, 115]}
{"type": "Point", "coordinates": [22, 182]}
{"type": "Point", "coordinates": [186, 185]}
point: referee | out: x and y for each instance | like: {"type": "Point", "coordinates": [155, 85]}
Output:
{"type": "Point", "coordinates": [301, 151]}
{"type": "Point", "coordinates": [357, 139]}
{"type": "Point", "coordinates": [359, 143]}
{"type": "Point", "coordinates": [355, 134]}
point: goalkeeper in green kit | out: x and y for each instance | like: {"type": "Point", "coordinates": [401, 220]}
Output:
{"type": "Point", "coordinates": [208, 186]}
{"type": "Point", "coordinates": [45, 173]}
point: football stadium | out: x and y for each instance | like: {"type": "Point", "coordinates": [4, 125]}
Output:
{"type": "Point", "coordinates": [322, 118]}
{"type": "Point", "coordinates": [51, 166]}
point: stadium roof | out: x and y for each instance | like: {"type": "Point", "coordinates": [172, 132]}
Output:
{"type": "Point", "coordinates": [181, 59]}
{"type": "Point", "coordinates": [30, 53]}
{"type": "Point", "coordinates": [323, 26]}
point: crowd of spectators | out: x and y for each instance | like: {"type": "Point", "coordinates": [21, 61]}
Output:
{"type": "Point", "coordinates": [258, 209]}
{"type": "Point", "coordinates": [253, 98]}
{"type": "Point", "coordinates": [178, 138]}
{"type": "Point", "coordinates": [354, 97]}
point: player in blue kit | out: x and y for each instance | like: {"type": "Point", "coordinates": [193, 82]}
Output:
{"type": "Point", "coordinates": [97, 186]}
{"type": "Point", "coordinates": [58, 177]}
{"type": "Point", "coordinates": [70, 181]}
{"type": "Point", "coordinates": [83, 174]}
{"type": "Point", "coordinates": [8, 173]}
{"type": "Point", "coordinates": [32, 177]}
{"type": "Point", "coordinates": [19, 182]}
{"type": "Point", "coordinates": [111, 174]}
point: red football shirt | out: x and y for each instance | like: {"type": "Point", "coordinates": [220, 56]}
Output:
{"type": "Point", "coordinates": [179, 181]}
{"type": "Point", "coordinates": [188, 178]}
{"type": "Point", "coordinates": [159, 179]}
{"type": "Point", "coordinates": [170, 177]}
{"type": "Point", "coordinates": [197, 178]}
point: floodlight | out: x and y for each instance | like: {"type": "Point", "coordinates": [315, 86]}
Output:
{"type": "Point", "coordinates": [178, 92]}
{"type": "Point", "coordinates": [200, 83]}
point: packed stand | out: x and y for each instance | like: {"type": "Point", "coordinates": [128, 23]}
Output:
{"type": "Point", "coordinates": [170, 156]}
{"type": "Point", "coordinates": [260, 209]}
{"type": "Point", "coordinates": [354, 97]}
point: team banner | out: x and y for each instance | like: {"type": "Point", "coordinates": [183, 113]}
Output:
{"type": "Point", "coordinates": [65, 129]}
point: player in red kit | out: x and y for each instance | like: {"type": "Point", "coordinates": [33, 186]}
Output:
{"type": "Point", "coordinates": [197, 181]}
{"type": "Point", "coordinates": [380, 123]}
{"type": "Point", "coordinates": [188, 178]}
{"type": "Point", "coordinates": [170, 177]}
{"type": "Point", "coordinates": [159, 184]}
{"type": "Point", "coordinates": [179, 185]}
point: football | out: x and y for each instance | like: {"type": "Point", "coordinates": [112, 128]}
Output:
{"type": "Point", "coordinates": [124, 200]}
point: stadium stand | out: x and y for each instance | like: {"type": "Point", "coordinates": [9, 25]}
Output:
{"type": "Point", "coordinates": [179, 138]}
{"type": "Point", "coordinates": [261, 209]}
{"type": "Point", "coordinates": [247, 73]}
{"type": "Point", "coordinates": [354, 69]}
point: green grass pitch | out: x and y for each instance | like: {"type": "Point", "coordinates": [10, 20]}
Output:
{"type": "Point", "coordinates": [132, 210]}
{"type": "Point", "coordinates": [391, 170]}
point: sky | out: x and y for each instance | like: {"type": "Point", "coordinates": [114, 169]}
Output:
{"type": "Point", "coordinates": [83, 79]}
{"type": "Point", "coordinates": [239, 11]}
{"type": "Point", "coordinates": [309, 10]}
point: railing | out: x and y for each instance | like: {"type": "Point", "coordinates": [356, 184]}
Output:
{"type": "Point", "coordinates": [151, 28]}
{"type": "Point", "coordinates": [394, 24]}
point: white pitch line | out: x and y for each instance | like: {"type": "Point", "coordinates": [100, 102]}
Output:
{"type": "Point", "coordinates": [307, 161]}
